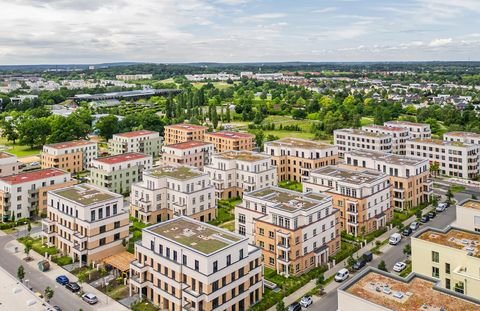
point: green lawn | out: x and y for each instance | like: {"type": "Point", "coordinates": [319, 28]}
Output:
{"type": "Point", "coordinates": [291, 185]}
{"type": "Point", "coordinates": [17, 149]}
{"type": "Point", "coordinates": [143, 306]}
{"type": "Point", "coordinates": [366, 121]}
{"type": "Point", "coordinates": [456, 188]}
{"type": "Point", "coordinates": [230, 226]}
{"type": "Point", "coordinates": [225, 211]}
{"type": "Point", "coordinates": [218, 85]}
{"type": "Point", "coordinates": [38, 247]}
{"type": "Point", "coordinates": [291, 134]}
{"type": "Point", "coordinates": [346, 249]}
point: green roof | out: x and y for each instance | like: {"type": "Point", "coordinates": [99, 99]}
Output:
{"type": "Point", "coordinates": [194, 234]}
{"type": "Point", "coordinates": [178, 172]}
{"type": "Point", "coordinates": [86, 194]}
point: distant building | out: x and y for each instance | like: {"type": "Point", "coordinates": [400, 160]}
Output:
{"type": "Point", "coordinates": [9, 164]}
{"type": "Point", "coordinates": [464, 137]}
{"type": "Point", "coordinates": [192, 153]}
{"type": "Point", "coordinates": [180, 133]}
{"type": "Point", "coordinates": [143, 141]}
{"type": "Point", "coordinates": [72, 156]}
{"type": "Point", "coordinates": [145, 76]}
{"type": "Point", "coordinates": [399, 136]}
{"type": "Point", "coordinates": [416, 130]}
{"type": "Point", "coordinates": [351, 139]}
{"type": "Point", "coordinates": [226, 141]}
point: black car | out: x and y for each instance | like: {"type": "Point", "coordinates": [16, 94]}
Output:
{"type": "Point", "coordinates": [294, 307]}
{"type": "Point", "coordinates": [424, 219]}
{"type": "Point", "coordinates": [73, 287]}
{"type": "Point", "coordinates": [432, 215]}
{"type": "Point", "coordinates": [407, 231]}
{"type": "Point", "coordinates": [368, 256]}
{"type": "Point", "coordinates": [361, 262]}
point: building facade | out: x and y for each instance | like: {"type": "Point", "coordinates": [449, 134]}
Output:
{"type": "Point", "coordinates": [352, 139]}
{"type": "Point", "coordinates": [464, 137]}
{"type": "Point", "coordinates": [236, 172]}
{"type": "Point", "coordinates": [362, 196]}
{"type": "Point", "coordinates": [409, 176]}
{"type": "Point", "coordinates": [227, 141]}
{"type": "Point", "coordinates": [415, 130]}
{"type": "Point", "coordinates": [184, 264]}
{"type": "Point", "coordinates": [468, 215]}
{"type": "Point", "coordinates": [71, 156]}
{"type": "Point", "coordinates": [296, 231]}
{"type": "Point", "coordinates": [453, 158]}
{"type": "Point", "coordinates": [119, 172]}
{"type": "Point", "coordinates": [168, 191]}
{"type": "Point", "coordinates": [147, 142]}
{"type": "Point", "coordinates": [85, 222]}
{"type": "Point", "coordinates": [191, 153]}
{"type": "Point", "coordinates": [179, 133]}
{"type": "Point", "coordinates": [295, 158]}
{"type": "Point", "coordinates": [399, 136]}
{"type": "Point", "coordinates": [23, 195]}
{"type": "Point", "coordinates": [9, 164]}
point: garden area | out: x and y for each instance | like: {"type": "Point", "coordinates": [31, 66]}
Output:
{"type": "Point", "coordinates": [136, 227]}
{"type": "Point", "coordinates": [346, 250]}
{"type": "Point", "coordinates": [291, 185]}
{"type": "Point", "coordinates": [37, 246]}
{"type": "Point", "coordinates": [116, 289]}
{"type": "Point", "coordinates": [143, 305]}
{"type": "Point", "coordinates": [225, 214]}
{"type": "Point", "coordinates": [17, 149]}
{"type": "Point", "coordinates": [87, 274]}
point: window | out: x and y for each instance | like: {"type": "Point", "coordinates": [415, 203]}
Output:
{"type": "Point", "coordinates": [241, 218]}
{"type": "Point", "coordinates": [184, 259]}
{"type": "Point", "coordinates": [447, 284]}
{"type": "Point", "coordinates": [241, 230]}
{"type": "Point", "coordinates": [116, 225]}
{"type": "Point", "coordinates": [215, 286]}
{"type": "Point", "coordinates": [100, 213]}
{"type": "Point", "coordinates": [102, 241]}
{"type": "Point", "coordinates": [92, 215]}
{"type": "Point", "coordinates": [229, 260]}
{"type": "Point", "coordinates": [114, 209]}
{"type": "Point", "coordinates": [215, 266]}
{"type": "Point", "coordinates": [435, 272]}
{"type": "Point", "coordinates": [435, 256]}
{"type": "Point", "coordinates": [261, 231]}
{"type": "Point", "coordinates": [447, 268]}
{"type": "Point", "coordinates": [103, 229]}
{"type": "Point", "coordinates": [271, 234]}
{"type": "Point", "coordinates": [197, 265]}
{"type": "Point", "coordinates": [116, 236]}
{"type": "Point", "coordinates": [241, 254]}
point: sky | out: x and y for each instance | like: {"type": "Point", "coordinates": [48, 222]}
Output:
{"type": "Point", "coordinates": [178, 31]}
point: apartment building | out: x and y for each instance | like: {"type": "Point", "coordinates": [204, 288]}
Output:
{"type": "Point", "coordinates": [351, 139]}
{"type": "Point", "coordinates": [184, 264]}
{"type": "Point", "coordinates": [147, 142]}
{"type": "Point", "coordinates": [409, 176]}
{"type": "Point", "coordinates": [236, 172]}
{"type": "Point", "coordinates": [468, 215]}
{"type": "Point", "coordinates": [85, 222]}
{"type": "Point", "coordinates": [295, 158]}
{"type": "Point", "coordinates": [119, 172]}
{"type": "Point", "coordinates": [191, 153]}
{"type": "Point", "coordinates": [362, 196]}
{"type": "Point", "coordinates": [9, 164]}
{"type": "Point", "coordinates": [451, 256]}
{"type": "Point", "coordinates": [399, 136]}
{"type": "Point", "coordinates": [464, 137]}
{"type": "Point", "coordinates": [376, 290]}
{"type": "Point", "coordinates": [226, 141]}
{"type": "Point", "coordinates": [22, 195]}
{"type": "Point", "coordinates": [71, 156]}
{"type": "Point", "coordinates": [454, 158]}
{"type": "Point", "coordinates": [415, 130]}
{"type": "Point", "coordinates": [179, 133]}
{"type": "Point", "coordinates": [169, 190]}
{"type": "Point", "coordinates": [296, 231]}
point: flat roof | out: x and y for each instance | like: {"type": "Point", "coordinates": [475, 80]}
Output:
{"type": "Point", "coordinates": [440, 142]}
{"type": "Point", "coordinates": [299, 143]}
{"type": "Point", "coordinates": [350, 175]}
{"type": "Point", "coordinates": [174, 171]}
{"type": "Point", "coordinates": [385, 128]}
{"type": "Point", "coordinates": [399, 294]}
{"type": "Point", "coordinates": [86, 194]}
{"type": "Point", "coordinates": [405, 123]}
{"type": "Point", "coordinates": [135, 133]}
{"type": "Point", "coordinates": [6, 155]}
{"type": "Point", "coordinates": [231, 135]}
{"type": "Point", "coordinates": [71, 144]}
{"type": "Point", "coordinates": [362, 132]}
{"type": "Point", "coordinates": [188, 144]}
{"type": "Point", "coordinates": [289, 200]}
{"type": "Point", "coordinates": [194, 234]}
{"type": "Point", "coordinates": [386, 157]}
{"type": "Point", "coordinates": [187, 127]}
{"type": "Point", "coordinates": [32, 176]}
{"type": "Point", "coordinates": [471, 203]}
{"type": "Point", "coordinates": [453, 238]}
{"type": "Point", "coordinates": [248, 156]}
{"type": "Point", "coordinates": [463, 134]}
{"type": "Point", "coordinates": [124, 157]}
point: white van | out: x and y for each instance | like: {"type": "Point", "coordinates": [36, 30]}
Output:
{"type": "Point", "coordinates": [395, 239]}
{"type": "Point", "coordinates": [341, 275]}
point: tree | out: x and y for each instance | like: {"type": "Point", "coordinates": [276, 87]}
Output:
{"type": "Point", "coordinates": [259, 139]}
{"type": "Point", "coordinates": [34, 132]}
{"type": "Point", "coordinates": [418, 214]}
{"type": "Point", "coordinates": [21, 273]}
{"type": "Point", "coordinates": [320, 279]}
{"type": "Point", "coordinates": [9, 131]}
{"type": "Point", "coordinates": [28, 248]}
{"type": "Point", "coordinates": [449, 194]}
{"type": "Point", "coordinates": [48, 293]}
{"type": "Point", "coordinates": [407, 250]}
{"type": "Point", "coordinates": [214, 116]}
{"type": "Point", "coordinates": [474, 197]}
{"type": "Point", "coordinates": [350, 261]}
{"type": "Point", "coordinates": [435, 168]}
{"type": "Point", "coordinates": [107, 126]}
{"type": "Point", "coordinates": [29, 227]}
{"type": "Point", "coordinates": [382, 266]}
{"type": "Point", "coordinates": [280, 306]}
{"type": "Point", "coordinates": [227, 114]}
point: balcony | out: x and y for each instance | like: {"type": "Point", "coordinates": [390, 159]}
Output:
{"type": "Point", "coordinates": [138, 282]}
{"type": "Point", "coordinates": [283, 259]}
{"type": "Point", "coordinates": [398, 189]}
{"type": "Point", "coordinates": [352, 211]}
{"type": "Point", "coordinates": [79, 238]}
{"type": "Point", "coordinates": [138, 267]}
{"type": "Point", "coordinates": [398, 199]}
{"type": "Point", "coordinates": [352, 222]}
{"type": "Point", "coordinates": [285, 247]}
{"type": "Point", "coordinates": [192, 295]}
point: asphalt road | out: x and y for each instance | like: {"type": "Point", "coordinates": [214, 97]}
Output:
{"type": "Point", "coordinates": [38, 281]}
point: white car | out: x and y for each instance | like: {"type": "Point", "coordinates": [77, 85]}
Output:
{"type": "Point", "coordinates": [90, 298]}
{"type": "Point", "coordinates": [441, 207]}
{"type": "Point", "coordinates": [399, 266]}
{"type": "Point", "coordinates": [414, 225]}
{"type": "Point", "coordinates": [306, 301]}
{"type": "Point", "coordinates": [341, 275]}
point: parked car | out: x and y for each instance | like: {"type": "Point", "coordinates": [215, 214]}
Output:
{"type": "Point", "coordinates": [395, 239]}
{"type": "Point", "coordinates": [407, 231]}
{"type": "Point", "coordinates": [62, 279]}
{"type": "Point", "coordinates": [73, 287]}
{"type": "Point", "coordinates": [441, 207]}
{"type": "Point", "coordinates": [424, 219]}
{"type": "Point", "coordinates": [306, 301]}
{"type": "Point", "coordinates": [294, 307]}
{"type": "Point", "coordinates": [399, 266]}
{"type": "Point", "coordinates": [341, 275]}
{"type": "Point", "coordinates": [414, 225]}
{"type": "Point", "coordinates": [432, 215]}
{"type": "Point", "coordinates": [368, 256]}
{"type": "Point", "coordinates": [57, 308]}
{"type": "Point", "coordinates": [359, 264]}
{"type": "Point", "coordinates": [90, 298]}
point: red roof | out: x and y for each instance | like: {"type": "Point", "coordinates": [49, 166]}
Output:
{"type": "Point", "coordinates": [122, 158]}
{"type": "Point", "coordinates": [136, 133]}
{"type": "Point", "coordinates": [32, 176]}
{"type": "Point", "coordinates": [70, 144]}
{"type": "Point", "coordinates": [186, 126]}
{"type": "Point", "coordinates": [232, 135]}
{"type": "Point", "coordinates": [188, 144]}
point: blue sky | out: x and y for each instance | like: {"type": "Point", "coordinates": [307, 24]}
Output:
{"type": "Point", "coordinates": [72, 31]}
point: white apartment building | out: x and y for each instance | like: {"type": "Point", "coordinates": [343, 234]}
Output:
{"type": "Point", "coordinates": [144, 76]}
{"type": "Point", "coordinates": [464, 137]}
{"type": "Point", "coordinates": [191, 153]}
{"type": "Point", "coordinates": [296, 231]}
{"type": "Point", "coordinates": [236, 172]}
{"type": "Point", "coordinates": [362, 196]}
{"type": "Point", "coordinates": [9, 164]}
{"type": "Point", "coordinates": [454, 158]}
{"type": "Point", "coordinates": [351, 139]}
{"type": "Point", "coordinates": [416, 130]}
{"type": "Point", "coordinates": [184, 264]}
{"type": "Point", "coordinates": [169, 190]}
{"type": "Point", "coordinates": [399, 136]}
{"type": "Point", "coordinates": [143, 141]}
{"type": "Point", "coordinates": [468, 215]}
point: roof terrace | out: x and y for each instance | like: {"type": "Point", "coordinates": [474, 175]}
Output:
{"type": "Point", "coordinates": [177, 172]}
{"type": "Point", "coordinates": [86, 194]}
{"type": "Point", "coordinates": [289, 200]}
{"type": "Point", "coordinates": [454, 238]}
{"type": "Point", "coordinates": [299, 143]}
{"type": "Point", "coordinates": [247, 156]}
{"type": "Point", "coordinates": [350, 175]}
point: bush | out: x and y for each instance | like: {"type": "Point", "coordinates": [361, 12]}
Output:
{"type": "Point", "coordinates": [62, 260]}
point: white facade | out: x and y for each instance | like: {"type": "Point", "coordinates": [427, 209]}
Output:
{"type": "Point", "coordinates": [468, 215]}
{"type": "Point", "coordinates": [416, 130]}
{"type": "Point", "coordinates": [9, 164]}
{"type": "Point", "coordinates": [399, 136]}
{"type": "Point", "coordinates": [464, 137]}
{"type": "Point", "coordinates": [351, 139]}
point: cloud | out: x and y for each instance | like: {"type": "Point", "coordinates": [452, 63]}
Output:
{"type": "Point", "coordinates": [440, 42]}
{"type": "Point", "coordinates": [325, 10]}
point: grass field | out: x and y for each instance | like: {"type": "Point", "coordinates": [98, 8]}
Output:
{"type": "Point", "coordinates": [366, 121]}
{"type": "Point", "coordinates": [283, 134]}
{"type": "Point", "coordinates": [17, 149]}
{"type": "Point", "coordinates": [218, 85]}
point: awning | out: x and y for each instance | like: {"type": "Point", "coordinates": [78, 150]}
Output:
{"type": "Point", "coordinates": [120, 261]}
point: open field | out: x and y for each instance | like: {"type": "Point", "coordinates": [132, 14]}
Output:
{"type": "Point", "coordinates": [366, 121]}
{"type": "Point", "coordinates": [17, 149]}
{"type": "Point", "coordinates": [218, 85]}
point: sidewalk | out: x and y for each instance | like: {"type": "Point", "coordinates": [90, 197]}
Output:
{"type": "Point", "coordinates": [332, 271]}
